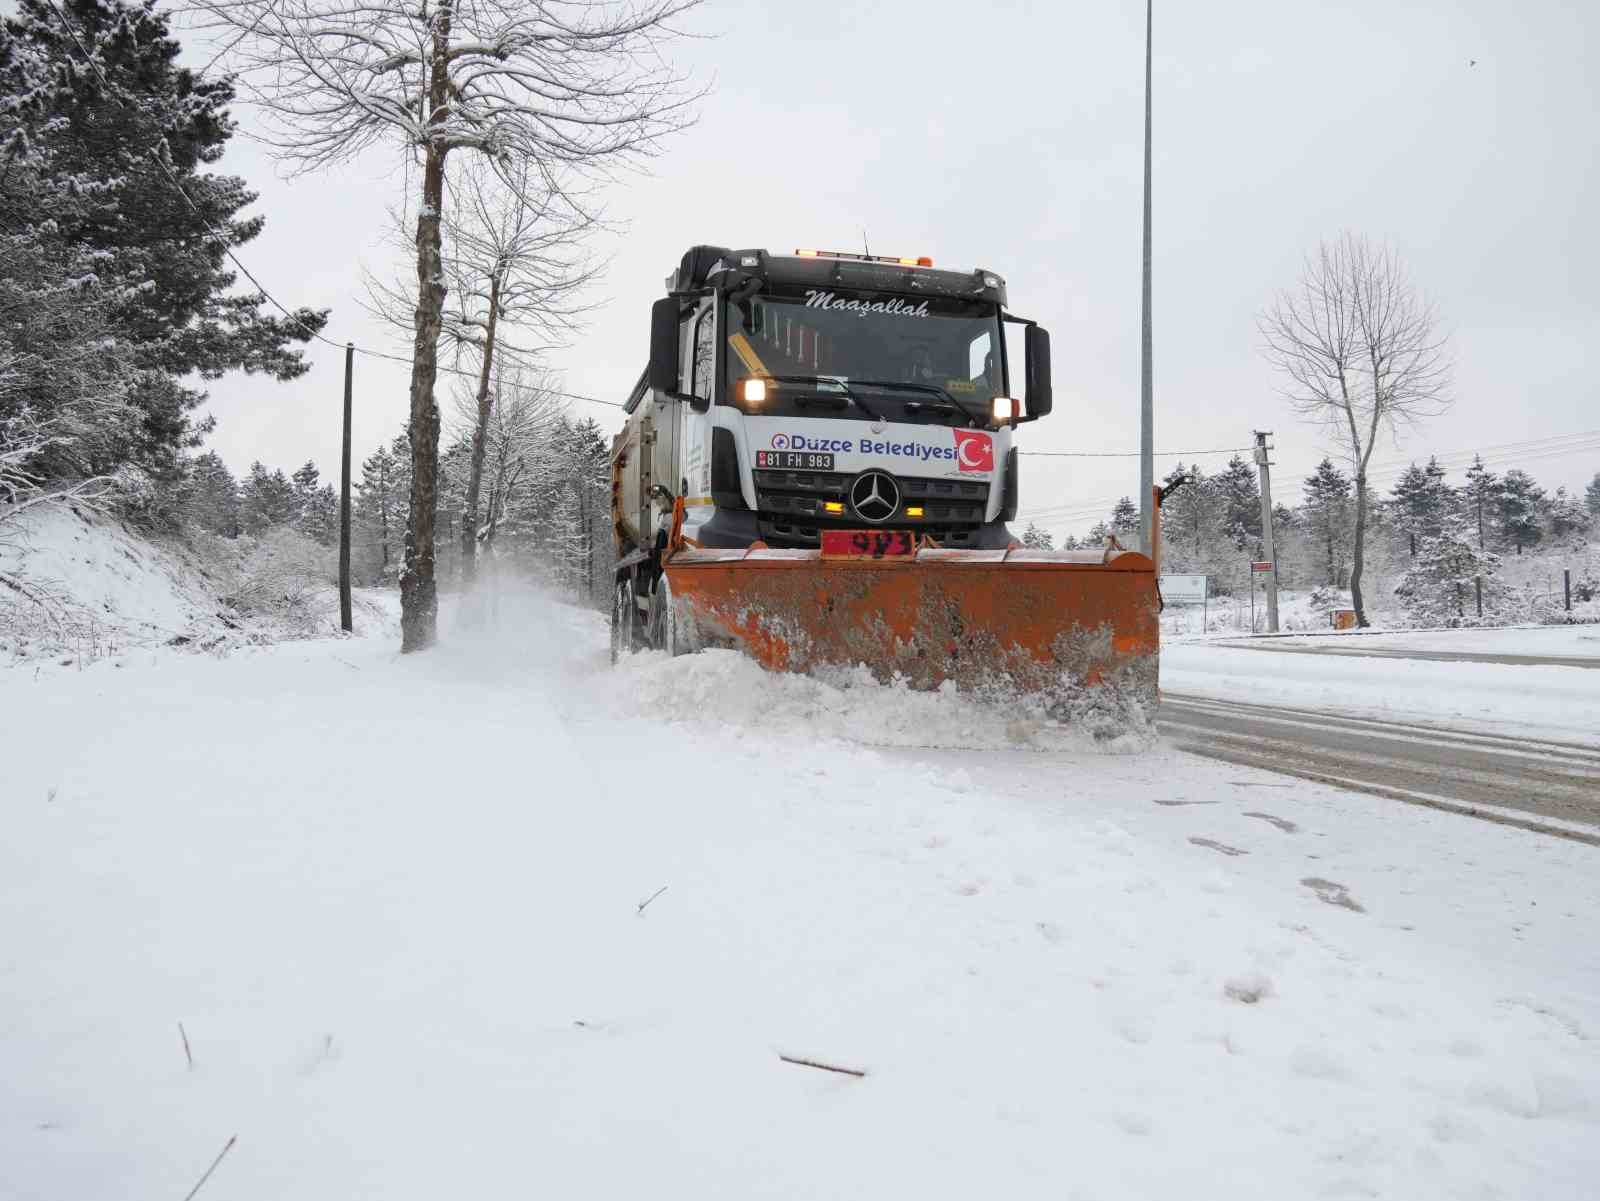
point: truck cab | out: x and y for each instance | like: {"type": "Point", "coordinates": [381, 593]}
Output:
{"type": "Point", "coordinates": [789, 395]}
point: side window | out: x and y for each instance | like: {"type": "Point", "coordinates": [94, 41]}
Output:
{"type": "Point", "coordinates": [705, 355]}
{"type": "Point", "coordinates": [980, 357]}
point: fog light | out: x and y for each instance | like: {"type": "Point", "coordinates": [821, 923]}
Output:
{"type": "Point", "coordinates": [832, 506]}
{"type": "Point", "coordinates": [913, 510]}
{"type": "Point", "coordinates": [755, 391]}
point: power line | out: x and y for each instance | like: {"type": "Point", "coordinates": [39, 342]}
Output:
{"type": "Point", "coordinates": [1130, 454]}
{"type": "Point", "coordinates": [227, 248]}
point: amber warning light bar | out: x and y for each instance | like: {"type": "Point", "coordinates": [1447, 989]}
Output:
{"type": "Point", "coordinates": [924, 261]}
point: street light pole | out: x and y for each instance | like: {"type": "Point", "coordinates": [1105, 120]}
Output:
{"type": "Point", "coordinates": [345, 622]}
{"type": "Point", "coordinates": [1147, 465]}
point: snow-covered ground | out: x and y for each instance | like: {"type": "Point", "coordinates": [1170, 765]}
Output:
{"type": "Point", "coordinates": [396, 906]}
{"type": "Point", "coordinates": [1346, 674]}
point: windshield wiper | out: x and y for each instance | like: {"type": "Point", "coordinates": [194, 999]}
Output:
{"type": "Point", "coordinates": [828, 379]}
{"type": "Point", "coordinates": [955, 405]}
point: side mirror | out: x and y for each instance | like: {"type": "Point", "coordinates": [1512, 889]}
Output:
{"type": "Point", "coordinates": [1036, 356]}
{"type": "Point", "coordinates": [664, 345]}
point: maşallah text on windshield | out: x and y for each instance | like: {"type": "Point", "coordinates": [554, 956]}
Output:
{"type": "Point", "coordinates": [894, 308]}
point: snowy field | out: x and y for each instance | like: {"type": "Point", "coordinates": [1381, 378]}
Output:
{"type": "Point", "coordinates": [1351, 674]}
{"type": "Point", "coordinates": [395, 904]}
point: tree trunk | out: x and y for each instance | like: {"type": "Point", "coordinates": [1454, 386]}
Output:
{"type": "Point", "coordinates": [1358, 559]}
{"type": "Point", "coordinates": [480, 433]}
{"type": "Point", "coordinates": [419, 597]}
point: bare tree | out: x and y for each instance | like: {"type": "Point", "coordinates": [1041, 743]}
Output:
{"type": "Point", "coordinates": [1362, 353]}
{"type": "Point", "coordinates": [514, 270]}
{"type": "Point", "coordinates": [574, 83]}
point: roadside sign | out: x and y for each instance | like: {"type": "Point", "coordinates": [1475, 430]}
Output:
{"type": "Point", "coordinates": [1183, 589]}
{"type": "Point", "coordinates": [1267, 566]}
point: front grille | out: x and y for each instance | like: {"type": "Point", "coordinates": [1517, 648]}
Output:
{"type": "Point", "coordinates": [792, 513]}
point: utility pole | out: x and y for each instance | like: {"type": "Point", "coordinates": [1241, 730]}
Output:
{"type": "Point", "coordinates": [1266, 527]}
{"type": "Point", "coordinates": [1147, 462]}
{"type": "Point", "coordinates": [345, 622]}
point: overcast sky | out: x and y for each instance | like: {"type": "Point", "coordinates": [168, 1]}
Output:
{"type": "Point", "coordinates": [1007, 135]}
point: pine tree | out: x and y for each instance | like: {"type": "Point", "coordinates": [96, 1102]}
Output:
{"type": "Point", "coordinates": [1517, 509]}
{"type": "Point", "coordinates": [1481, 497]}
{"type": "Point", "coordinates": [1036, 539]}
{"type": "Point", "coordinates": [267, 500]}
{"type": "Point", "coordinates": [1240, 494]}
{"type": "Point", "coordinates": [1439, 587]}
{"type": "Point", "coordinates": [1566, 517]}
{"type": "Point", "coordinates": [106, 145]}
{"type": "Point", "coordinates": [1125, 518]}
{"type": "Point", "coordinates": [1420, 502]}
{"type": "Point", "coordinates": [1591, 495]}
{"type": "Point", "coordinates": [1328, 514]}
{"type": "Point", "coordinates": [211, 496]}
{"type": "Point", "coordinates": [380, 502]}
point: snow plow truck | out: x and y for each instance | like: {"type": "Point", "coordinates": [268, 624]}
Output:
{"type": "Point", "coordinates": [817, 469]}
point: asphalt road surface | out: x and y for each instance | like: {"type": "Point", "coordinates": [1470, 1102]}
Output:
{"type": "Point", "coordinates": [1551, 787]}
{"type": "Point", "coordinates": [1272, 646]}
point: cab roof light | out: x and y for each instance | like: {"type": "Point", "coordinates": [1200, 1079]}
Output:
{"type": "Point", "coordinates": [897, 260]}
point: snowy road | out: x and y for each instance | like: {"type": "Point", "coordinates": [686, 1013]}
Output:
{"type": "Point", "coordinates": [395, 903]}
{"type": "Point", "coordinates": [1275, 646]}
{"type": "Point", "coordinates": [1552, 787]}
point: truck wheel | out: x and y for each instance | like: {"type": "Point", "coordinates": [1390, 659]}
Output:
{"type": "Point", "coordinates": [624, 620]}
{"type": "Point", "coordinates": [663, 621]}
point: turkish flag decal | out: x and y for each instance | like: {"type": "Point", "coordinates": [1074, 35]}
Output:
{"type": "Point", "coordinates": [974, 450]}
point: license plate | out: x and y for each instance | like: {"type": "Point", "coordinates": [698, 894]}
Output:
{"type": "Point", "coordinates": [794, 460]}
{"type": "Point", "coordinates": [868, 544]}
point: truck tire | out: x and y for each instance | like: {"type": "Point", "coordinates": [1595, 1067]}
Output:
{"type": "Point", "coordinates": [663, 631]}
{"type": "Point", "coordinates": [624, 619]}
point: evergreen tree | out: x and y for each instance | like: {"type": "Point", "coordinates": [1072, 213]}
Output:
{"type": "Point", "coordinates": [1591, 495]}
{"type": "Point", "coordinates": [1439, 587]}
{"type": "Point", "coordinates": [1517, 509]}
{"type": "Point", "coordinates": [1240, 494]}
{"type": "Point", "coordinates": [1481, 497]}
{"type": "Point", "coordinates": [211, 496]}
{"type": "Point", "coordinates": [1036, 539]}
{"type": "Point", "coordinates": [105, 145]}
{"type": "Point", "coordinates": [266, 500]}
{"type": "Point", "coordinates": [380, 501]}
{"type": "Point", "coordinates": [1420, 502]}
{"type": "Point", "coordinates": [319, 516]}
{"type": "Point", "coordinates": [1328, 513]}
{"type": "Point", "coordinates": [1566, 517]}
{"type": "Point", "coordinates": [1125, 518]}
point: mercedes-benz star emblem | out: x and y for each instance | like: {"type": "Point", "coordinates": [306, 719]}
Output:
{"type": "Point", "coordinates": [875, 496]}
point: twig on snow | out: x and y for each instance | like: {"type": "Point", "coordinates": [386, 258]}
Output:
{"type": "Point", "coordinates": [651, 897]}
{"type": "Point", "coordinates": [186, 1054]}
{"type": "Point", "coordinates": [826, 1067]}
{"type": "Point", "coordinates": [226, 1147]}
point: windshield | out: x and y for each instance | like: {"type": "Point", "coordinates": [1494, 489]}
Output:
{"type": "Point", "coordinates": [864, 355]}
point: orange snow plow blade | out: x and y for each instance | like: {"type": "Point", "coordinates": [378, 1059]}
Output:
{"type": "Point", "coordinates": [1077, 628]}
